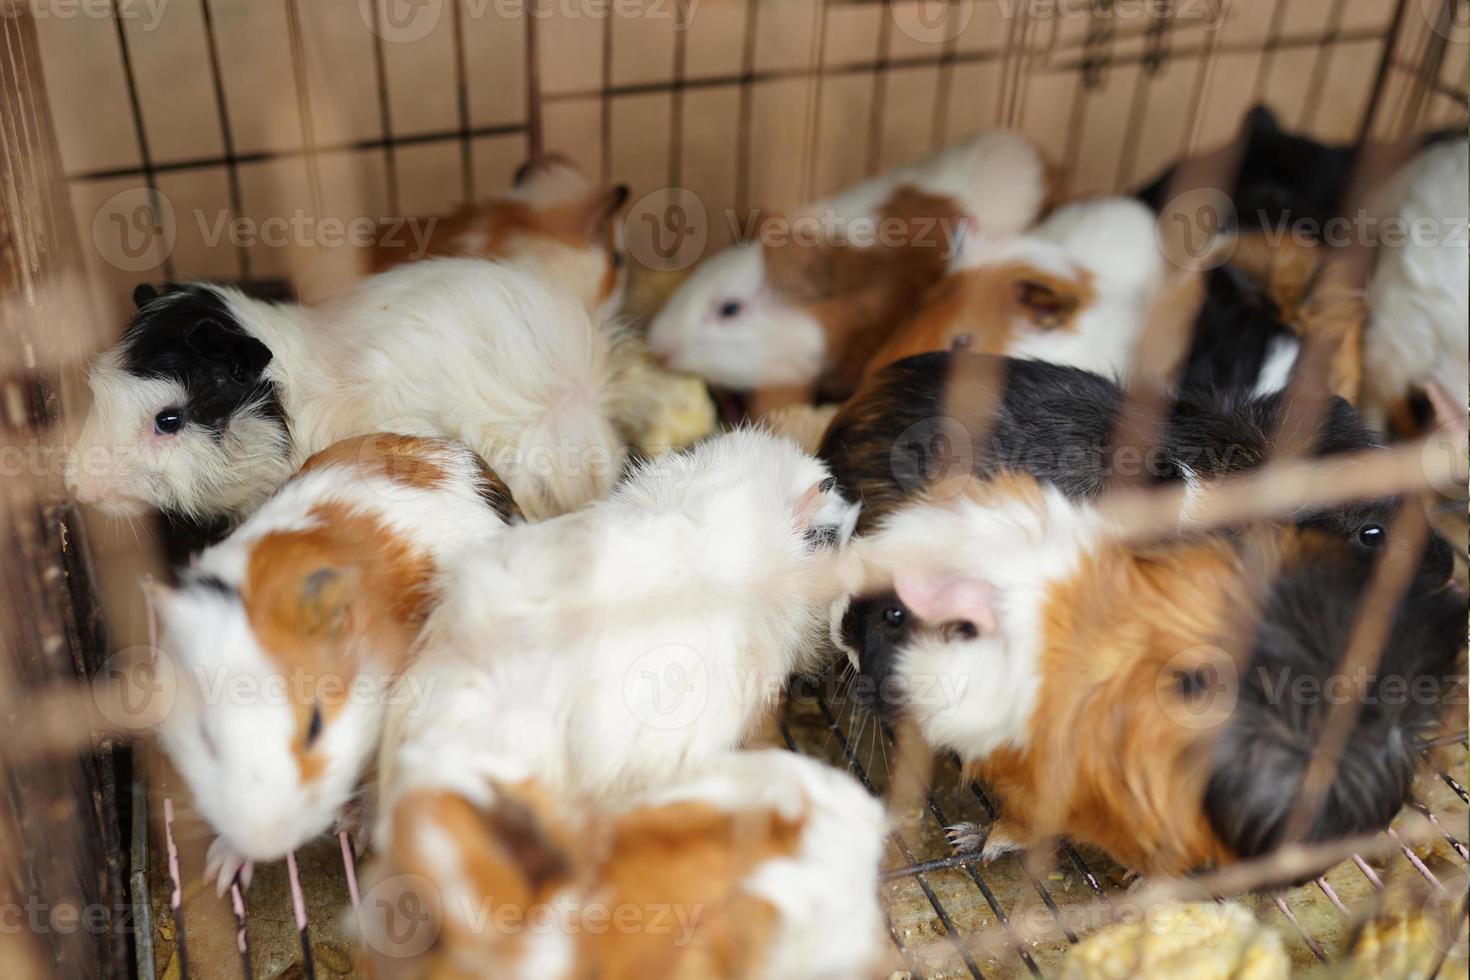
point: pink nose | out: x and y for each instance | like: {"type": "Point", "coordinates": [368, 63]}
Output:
{"type": "Point", "coordinates": [661, 358]}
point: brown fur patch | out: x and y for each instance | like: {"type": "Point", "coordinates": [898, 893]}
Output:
{"type": "Point", "coordinates": [1115, 757]}
{"type": "Point", "coordinates": [411, 461]}
{"type": "Point", "coordinates": [493, 490]}
{"type": "Point", "coordinates": [859, 295]}
{"type": "Point", "coordinates": [979, 309]}
{"type": "Point", "coordinates": [315, 597]}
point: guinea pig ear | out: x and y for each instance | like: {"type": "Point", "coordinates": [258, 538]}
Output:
{"type": "Point", "coordinates": [540, 166]}
{"type": "Point", "coordinates": [938, 597]}
{"type": "Point", "coordinates": [801, 272]}
{"type": "Point", "coordinates": [602, 210]}
{"type": "Point", "coordinates": [324, 599]}
{"type": "Point", "coordinates": [143, 294]}
{"type": "Point", "coordinates": [241, 354]}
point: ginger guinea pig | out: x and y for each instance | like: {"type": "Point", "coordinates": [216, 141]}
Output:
{"type": "Point", "coordinates": [812, 306]}
{"type": "Point", "coordinates": [1073, 290]}
{"type": "Point", "coordinates": [286, 636]}
{"type": "Point", "coordinates": [1142, 698]}
{"type": "Point", "coordinates": [212, 399]}
{"type": "Point", "coordinates": [759, 865]}
{"type": "Point", "coordinates": [607, 650]}
{"type": "Point", "coordinates": [551, 214]}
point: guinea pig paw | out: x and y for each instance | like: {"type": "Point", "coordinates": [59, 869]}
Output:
{"type": "Point", "coordinates": [999, 842]}
{"type": "Point", "coordinates": [966, 838]}
{"type": "Point", "coordinates": [223, 863]}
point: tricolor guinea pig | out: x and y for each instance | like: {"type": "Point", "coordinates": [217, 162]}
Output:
{"type": "Point", "coordinates": [212, 399]}
{"type": "Point", "coordinates": [608, 650]}
{"type": "Point", "coordinates": [1149, 699]}
{"type": "Point", "coordinates": [761, 865]}
{"type": "Point", "coordinates": [287, 636]}
{"type": "Point", "coordinates": [551, 214]}
{"type": "Point", "coordinates": [1073, 290]}
{"type": "Point", "coordinates": [808, 308]}
{"type": "Point", "coordinates": [944, 415]}
{"type": "Point", "coordinates": [1418, 338]}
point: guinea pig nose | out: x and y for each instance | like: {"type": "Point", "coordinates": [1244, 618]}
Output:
{"type": "Point", "coordinates": [661, 358]}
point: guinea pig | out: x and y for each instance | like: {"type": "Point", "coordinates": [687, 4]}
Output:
{"type": "Point", "coordinates": [286, 637]}
{"type": "Point", "coordinates": [805, 309]}
{"type": "Point", "coordinates": [551, 214]}
{"type": "Point", "coordinates": [901, 434]}
{"type": "Point", "coordinates": [1147, 699]}
{"type": "Point", "coordinates": [763, 864]}
{"type": "Point", "coordinates": [607, 650]}
{"type": "Point", "coordinates": [212, 400]}
{"type": "Point", "coordinates": [1418, 334]}
{"type": "Point", "coordinates": [1073, 290]}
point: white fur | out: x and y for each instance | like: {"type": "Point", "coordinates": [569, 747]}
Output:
{"type": "Point", "coordinates": [608, 650]}
{"type": "Point", "coordinates": [459, 348]}
{"type": "Point", "coordinates": [972, 696]}
{"type": "Point", "coordinates": [249, 786]}
{"type": "Point", "coordinates": [1113, 240]}
{"type": "Point", "coordinates": [1419, 328]}
{"type": "Point", "coordinates": [996, 178]}
{"type": "Point", "coordinates": [1275, 374]}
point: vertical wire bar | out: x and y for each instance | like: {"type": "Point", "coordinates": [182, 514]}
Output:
{"type": "Point", "coordinates": [298, 907]}
{"type": "Point", "coordinates": [1269, 47]}
{"type": "Point", "coordinates": [535, 136]}
{"type": "Point", "coordinates": [1197, 97]}
{"type": "Point", "coordinates": [1154, 54]}
{"type": "Point", "coordinates": [604, 146]}
{"type": "Point", "coordinates": [879, 96]}
{"type": "Point", "coordinates": [747, 107]}
{"type": "Point", "coordinates": [939, 124]}
{"type": "Point", "coordinates": [817, 59]}
{"type": "Point", "coordinates": [303, 105]}
{"type": "Point", "coordinates": [1380, 74]}
{"type": "Point", "coordinates": [227, 135]}
{"type": "Point", "coordinates": [462, 102]}
{"type": "Point", "coordinates": [176, 892]}
{"type": "Point", "coordinates": [1326, 49]}
{"type": "Point", "coordinates": [1435, 42]}
{"type": "Point", "coordinates": [150, 176]}
{"type": "Point", "coordinates": [676, 95]}
{"type": "Point", "coordinates": [385, 116]}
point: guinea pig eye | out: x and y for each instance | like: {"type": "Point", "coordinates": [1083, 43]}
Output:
{"type": "Point", "coordinates": [894, 616]}
{"type": "Point", "coordinates": [729, 308]}
{"type": "Point", "coordinates": [168, 421]}
{"type": "Point", "coordinates": [618, 260]}
{"type": "Point", "coordinates": [1371, 536]}
{"type": "Point", "coordinates": [960, 629]}
{"type": "Point", "coordinates": [314, 726]}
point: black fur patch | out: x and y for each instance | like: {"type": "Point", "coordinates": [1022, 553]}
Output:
{"type": "Point", "coordinates": [188, 334]}
{"type": "Point", "coordinates": [1234, 333]}
{"type": "Point", "coordinates": [1285, 694]}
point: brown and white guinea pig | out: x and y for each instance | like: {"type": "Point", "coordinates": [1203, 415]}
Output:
{"type": "Point", "coordinates": [606, 651]}
{"type": "Point", "coordinates": [1073, 290]}
{"type": "Point", "coordinates": [551, 214]}
{"type": "Point", "coordinates": [810, 308]}
{"type": "Point", "coordinates": [1160, 701]}
{"type": "Point", "coordinates": [948, 414]}
{"type": "Point", "coordinates": [286, 636]}
{"type": "Point", "coordinates": [763, 865]}
{"type": "Point", "coordinates": [212, 399]}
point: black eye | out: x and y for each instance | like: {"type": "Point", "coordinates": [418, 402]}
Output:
{"type": "Point", "coordinates": [314, 726]}
{"type": "Point", "coordinates": [618, 261]}
{"type": "Point", "coordinates": [961, 629]}
{"type": "Point", "coordinates": [1371, 536]}
{"type": "Point", "coordinates": [893, 616]}
{"type": "Point", "coordinates": [729, 308]}
{"type": "Point", "coordinates": [168, 421]}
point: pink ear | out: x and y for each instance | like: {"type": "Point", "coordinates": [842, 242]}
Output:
{"type": "Point", "coordinates": [806, 507]}
{"type": "Point", "coordinates": [942, 598]}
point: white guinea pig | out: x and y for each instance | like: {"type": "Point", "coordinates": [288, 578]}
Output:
{"type": "Point", "coordinates": [758, 315]}
{"type": "Point", "coordinates": [604, 651]}
{"type": "Point", "coordinates": [286, 637]}
{"type": "Point", "coordinates": [762, 865]}
{"type": "Point", "coordinates": [213, 399]}
{"type": "Point", "coordinates": [1418, 336]}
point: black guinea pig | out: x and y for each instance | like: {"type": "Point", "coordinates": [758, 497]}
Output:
{"type": "Point", "coordinates": [896, 436]}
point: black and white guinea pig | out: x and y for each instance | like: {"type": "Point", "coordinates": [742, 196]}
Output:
{"type": "Point", "coordinates": [212, 399]}
{"type": "Point", "coordinates": [896, 436]}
